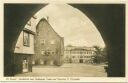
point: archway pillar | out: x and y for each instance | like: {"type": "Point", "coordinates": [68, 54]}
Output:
{"type": "Point", "coordinates": [116, 65]}
{"type": "Point", "coordinates": [8, 64]}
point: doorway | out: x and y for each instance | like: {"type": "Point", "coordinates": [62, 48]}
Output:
{"type": "Point", "coordinates": [25, 66]}
{"type": "Point", "coordinates": [81, 60]}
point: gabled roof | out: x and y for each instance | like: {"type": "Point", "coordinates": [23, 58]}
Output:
{"type": "Point", "coordinates": [44, 19]}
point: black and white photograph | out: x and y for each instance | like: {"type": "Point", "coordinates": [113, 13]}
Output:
{"type": "Point", "coordinates": [64, 40]}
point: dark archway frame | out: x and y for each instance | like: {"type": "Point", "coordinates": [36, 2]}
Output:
{"type": "Point", "coordinates": [108, 18]}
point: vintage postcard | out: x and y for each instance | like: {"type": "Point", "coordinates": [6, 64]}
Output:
{"type": "Point", "coordinates": [78, 41]}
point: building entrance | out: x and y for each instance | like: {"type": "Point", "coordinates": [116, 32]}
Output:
{"type": "Point", "coordinates": [81, 60]}
{"type": "Point", "coordinates": [25, 66]}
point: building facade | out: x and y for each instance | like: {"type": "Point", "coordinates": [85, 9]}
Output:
{"type": "Point", "coordinates": [24, 49]}
{"type": "Point", "coordinates": [75, 54]}
{"type": "Point", "coordinates": [49, 46]}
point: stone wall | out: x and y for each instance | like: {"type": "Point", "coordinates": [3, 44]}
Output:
{"type": "Point", "coordinates": [48, 44]}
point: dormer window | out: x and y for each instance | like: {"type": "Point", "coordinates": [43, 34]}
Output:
{"type": "Point", "coordinates": [29, 23]}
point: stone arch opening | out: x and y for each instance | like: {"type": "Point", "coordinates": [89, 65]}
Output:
{"type": "Point", "coordinates": [114, 38]}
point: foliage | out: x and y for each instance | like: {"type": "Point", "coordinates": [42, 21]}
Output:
{"type": "Point", "coordinates": [58, 62]}
{"type": "Point", "coordinates": [100, 55]}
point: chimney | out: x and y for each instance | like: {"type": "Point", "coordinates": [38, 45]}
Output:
{"type": "Point", "coordinates": [47, 18]}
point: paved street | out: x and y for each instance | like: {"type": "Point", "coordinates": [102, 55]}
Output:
{"type": "Point", "coordinates": [67, 70]}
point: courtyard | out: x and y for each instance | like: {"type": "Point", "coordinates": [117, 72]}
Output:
{"type": "Point", "coordinates": [67, 70]}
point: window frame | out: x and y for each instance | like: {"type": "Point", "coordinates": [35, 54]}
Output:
{"type": "Point", "coordinates": [28, 40]}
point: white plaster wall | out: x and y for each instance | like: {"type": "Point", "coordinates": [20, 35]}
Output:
{"type": "Point", "coordinates": [20, 48]}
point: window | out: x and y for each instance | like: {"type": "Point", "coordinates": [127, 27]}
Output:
{"type": "Point", "coordinates": [26, 39]}
{"type": "Point", "coordinates": [87, 52]}
{"type": "Point", "coordinates": [73, 56]}
{"type": "Point", "coordinates": [53, 52]}
{"type": "Point", "coordinates": [42, 52]}
{"type": "Point", "coordinates": [52, 42]}
{"type": "Point", "coordinates": [42, 42]}
{"type": "Point", "coordinates": [81, 56]}
{"type": "Point", "coordinates": [48, 52]}
{"type": "Point", "coordinates": [37, 32]}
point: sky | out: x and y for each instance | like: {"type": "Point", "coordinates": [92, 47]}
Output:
{"type": "Point", "coordinates": [70, 23]}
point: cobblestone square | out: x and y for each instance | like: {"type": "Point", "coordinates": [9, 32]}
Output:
{"type": "Point", "coordinates": [67, 70]}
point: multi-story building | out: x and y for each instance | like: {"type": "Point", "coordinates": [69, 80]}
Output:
{"type": "Point", "coordinates": [76, 54]}
{"type": "Point", "coordinates": [24, 49]}
{"type": "Point", "coordinates": [49, 46]}
{"type": "Point", "coordinates": [37, 44]}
